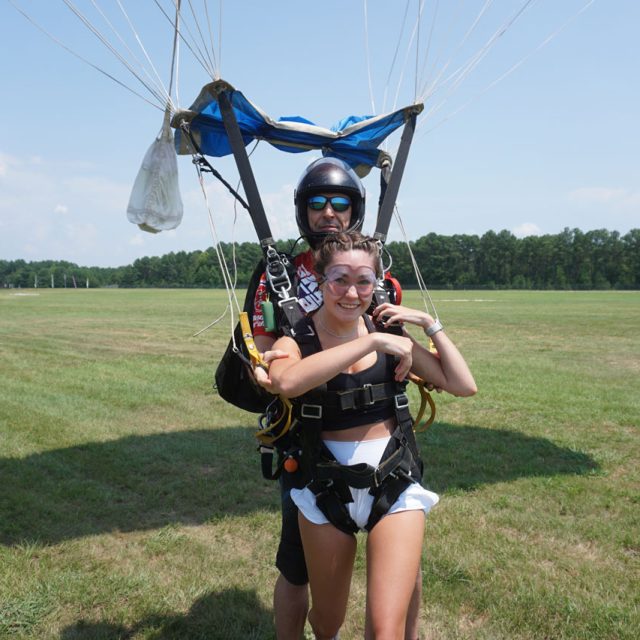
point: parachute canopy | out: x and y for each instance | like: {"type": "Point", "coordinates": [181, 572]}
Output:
{"type": "Point", "coordinates": [355, 139]}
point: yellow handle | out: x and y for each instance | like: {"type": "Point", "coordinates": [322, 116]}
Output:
{"type": "Point", "coordinates": [425, 399]}
{"type": "Point", "coordinates": [247, 336]}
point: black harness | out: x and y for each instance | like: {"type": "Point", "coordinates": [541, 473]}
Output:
{"type": "Point", "coordinates": [330, 481]}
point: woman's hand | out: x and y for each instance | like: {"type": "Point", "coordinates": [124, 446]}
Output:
{"type": "Point", "coordinates": [388, 314]}
{"type": "Point", "coordinates": [399, 346]}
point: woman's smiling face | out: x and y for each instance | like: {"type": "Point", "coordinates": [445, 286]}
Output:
{"type": "Point", "coordinates": [348, 283]}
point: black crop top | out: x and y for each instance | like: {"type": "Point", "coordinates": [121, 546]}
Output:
{"type": "Point", "coordinates": [337, 419]}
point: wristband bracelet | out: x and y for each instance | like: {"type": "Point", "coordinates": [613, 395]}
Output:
{"type": "Point", "coordinates": [434, 328]}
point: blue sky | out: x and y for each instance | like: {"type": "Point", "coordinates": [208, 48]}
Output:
{"type": "Point", "coordinates": [555, 144]}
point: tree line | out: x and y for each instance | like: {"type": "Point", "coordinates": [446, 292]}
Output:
{"type": "Point", "coordinates": [572, 259]}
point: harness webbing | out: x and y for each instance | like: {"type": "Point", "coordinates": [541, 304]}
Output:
{"type": "Point", "coordinates": [393, 186]}
{"type": "Point", "coordinates": [256, 209]}
{"type": "Point", "coordinates": [399, 467]}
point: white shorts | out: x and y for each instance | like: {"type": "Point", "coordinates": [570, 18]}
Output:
{"type": "Point", "coordinates": [414, 498]}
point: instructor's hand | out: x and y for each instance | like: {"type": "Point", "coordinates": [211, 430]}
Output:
{"type": "Point", "coordinates": [262, 375]}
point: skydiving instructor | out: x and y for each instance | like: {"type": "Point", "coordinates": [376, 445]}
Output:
{"type": "Point", "coordinates": [329, 199]}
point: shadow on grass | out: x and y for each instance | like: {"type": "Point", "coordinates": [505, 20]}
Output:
{"type": "Point", "coordinates": [464, 458]}
{"type": "Point", "coordinates": [191, 477]}
{"type": "Point", "coordinates": [134, 483]}
{"type": "Point", "coordinates": [232, 614]}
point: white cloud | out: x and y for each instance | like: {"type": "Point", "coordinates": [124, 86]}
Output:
{"type": "Point", "coordinates": [526, 229]}
{"type": "Point", "coordinates": [61, 208]}
{"type": "Point", "coordinates": [137, 240]}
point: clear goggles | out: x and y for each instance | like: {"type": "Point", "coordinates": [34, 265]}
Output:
{"type": "Point", "coordinates": [340, 278]}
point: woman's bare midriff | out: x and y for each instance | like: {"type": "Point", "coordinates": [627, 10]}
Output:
{"type": "Point", "coordinates": [363, 432]}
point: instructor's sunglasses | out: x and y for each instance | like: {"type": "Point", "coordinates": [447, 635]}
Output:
{"type": "Point", "coordinates": [338, 203]}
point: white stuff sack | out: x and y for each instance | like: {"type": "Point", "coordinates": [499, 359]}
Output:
{"type": "Point", "coordinates": [155, 203]}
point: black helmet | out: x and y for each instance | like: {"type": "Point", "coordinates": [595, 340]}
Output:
{"type": "Point", "coordinates": [328, 175]}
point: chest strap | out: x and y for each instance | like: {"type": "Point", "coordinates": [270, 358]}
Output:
{"type": "Point", "coordinates": [313, 402]}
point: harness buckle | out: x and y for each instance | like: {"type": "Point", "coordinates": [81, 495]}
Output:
{"type": "Point", "coordinates": [366, 393]}
{"type": "Point", "coordinates": [401, 401]}
{"type": "Point", "coordinates": [313, 411]}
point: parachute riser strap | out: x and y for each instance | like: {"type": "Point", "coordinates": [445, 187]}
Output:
{"type": "Point", "coordinates": [391, 192]}
{"type": "Point", "coordinates": [256, 209]}
{"type": "Point", "coordinates": [385, 174]}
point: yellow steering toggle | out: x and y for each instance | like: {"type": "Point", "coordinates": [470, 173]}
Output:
{"type": "Point", "coordinates": [425, 399]}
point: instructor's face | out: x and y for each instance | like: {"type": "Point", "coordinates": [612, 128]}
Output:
{"type": "Point", "coordinates": [327, 219]}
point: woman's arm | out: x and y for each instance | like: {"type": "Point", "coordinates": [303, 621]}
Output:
{"type": "Point", "coordinates": [448, 370]}
{"type": "Point", "coordinates": [292, 376]}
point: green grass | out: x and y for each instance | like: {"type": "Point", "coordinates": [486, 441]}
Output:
{"type": "Point", "coordinates": [132, 505]}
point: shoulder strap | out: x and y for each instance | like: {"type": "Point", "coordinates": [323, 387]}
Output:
{"type": "Point", "coordinates": [305, 335]}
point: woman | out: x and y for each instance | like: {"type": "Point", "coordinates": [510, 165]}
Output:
{"type": "Point", "coordinates": [346, 381]}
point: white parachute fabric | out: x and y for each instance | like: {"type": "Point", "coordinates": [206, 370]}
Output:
{"type": "Point", "coordinates": [155, 203]}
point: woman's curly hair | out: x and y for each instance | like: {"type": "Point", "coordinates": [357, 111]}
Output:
{"type": "Point", "coordinates": [346, 241]}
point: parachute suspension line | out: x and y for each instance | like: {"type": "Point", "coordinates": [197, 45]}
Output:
{"type": "Point", "coordinates": [427, 53]}
{"type": "Point", "coordinates": [61, 44]}
{"type": "Point", "coordinates": [175, 56]}
{"type": "Point", "coordinates": [406, 56]}
{"type": "Point", "coordinates": [415, 77]}
{"type": "Point", "coordinates": [216, 63]}
{"type": "Point", "coordinates": [426, 90]}
{"type": "Point", "coordinates": [461, 74]}
{"type": "Point", "coordinates": [158, 80]}
{"type": "Point", "coordinates": [203, 165]}
{"type": "Point", "coordinates": [220, 42]}
{"type": "Point", "coordinates": [368, 55]}
{"type": "Point", "coordinates": [209, 52]}
{"type": "Point", "coordinates": [513, 68]}
{"type": "Point", "coordinates": [395, 57]}
{"type": "Point", "coordinates": [232, 300]}
{"type": "Point", "coordinates": [200, 161]}
{"type": "Point", "coordinates": [543, 44]}
{"type": "Point", "coordinates": [197, 55]}
{"type": "Point", "coordinates": [158, 92]}
{"type": "Point", "coordinates": [424, 291]}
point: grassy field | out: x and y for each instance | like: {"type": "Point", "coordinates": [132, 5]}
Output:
{"type": "Point", "coordinates": [132, 505]}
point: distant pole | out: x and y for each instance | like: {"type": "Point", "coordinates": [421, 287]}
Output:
{"type": "Point", "coordinates": [75, 286]}
{"type": "Point", "coordinates": [87, 283]}
{"type": "Point", "coordinates": [52, 284]}
{"type": "Point", "coordinates": [35, 281]}
{"type": "Point", "coordinates": [65, 280]}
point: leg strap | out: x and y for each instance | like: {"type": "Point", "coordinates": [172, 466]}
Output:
{"type": "Point", "coordinates": [405, 473]}
{"type": "Point", "coordinates": [398, 469]}
{"type": "Point", "coordinates": [332, 499]}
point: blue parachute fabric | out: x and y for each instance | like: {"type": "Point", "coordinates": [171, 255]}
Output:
{"type": "Point", "coordinates": [355, 139]}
